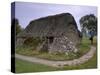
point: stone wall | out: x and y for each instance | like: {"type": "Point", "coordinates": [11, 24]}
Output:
{"type": "Point", "coordinates": [62, 45]}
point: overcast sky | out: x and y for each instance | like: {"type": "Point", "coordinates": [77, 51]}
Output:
{"type": "Point", "coordinates": [26, 12]}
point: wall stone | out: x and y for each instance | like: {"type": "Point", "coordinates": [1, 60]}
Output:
{"type": "Point", "coordinates": [62, 45]}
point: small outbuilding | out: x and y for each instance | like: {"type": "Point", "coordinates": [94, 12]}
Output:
{"type": "Point", "coordinates": [59, 33]}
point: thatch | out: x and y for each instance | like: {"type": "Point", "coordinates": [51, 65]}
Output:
{"type": "Point", "coordinates": [56, 25]}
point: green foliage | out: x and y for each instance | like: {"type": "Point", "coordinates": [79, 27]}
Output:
{"type": "Point", "coordinates": [18, 29]}
{"type": "Point", "coordinates": [17, 26]}
{"type": "Point", "coordinates": [89, 22]}
{"type": "Point", "coordinates": [25, 50]}
{"type": "Point", "coordinates": [32, 41]}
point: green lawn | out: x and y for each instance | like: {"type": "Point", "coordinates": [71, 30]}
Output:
{"type": "Point", "coordinates": [90, 64]}
{"type": "Point", "coordinates": [24, 66]}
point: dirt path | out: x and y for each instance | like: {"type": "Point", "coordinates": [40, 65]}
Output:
{"type": "Point", "coordinates": [80, 60]}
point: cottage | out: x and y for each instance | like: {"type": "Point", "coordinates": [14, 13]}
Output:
{"type": "Point", "coordinates": [60, 33]}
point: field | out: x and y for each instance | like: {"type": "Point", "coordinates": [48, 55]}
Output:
{"type": "Point", "coordinates": [23, 66]}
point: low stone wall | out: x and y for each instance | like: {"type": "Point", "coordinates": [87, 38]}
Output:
{"type": "Point", "coordinates": [62, 45]}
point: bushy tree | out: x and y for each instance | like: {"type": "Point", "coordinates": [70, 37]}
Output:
{"type": "Point", "coordinates": [89, 23]}
{"type": "Point", "coordinates": [17, 26]}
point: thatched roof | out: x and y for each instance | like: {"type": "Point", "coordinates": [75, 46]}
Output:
{"type": "Point", "coordinates": [54, 25]}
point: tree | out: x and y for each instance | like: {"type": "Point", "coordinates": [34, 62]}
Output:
{"type": "Point", "coordinates": [89, 23]}
{"type": "Point", "coordinates": [17, 26]}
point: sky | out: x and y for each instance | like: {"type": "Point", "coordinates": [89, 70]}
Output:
{"type": "Point", "coordinates": [27, 11]}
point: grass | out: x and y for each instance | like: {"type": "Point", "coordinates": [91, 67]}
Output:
{"type": "Point", "coordinates": [90, 64]}
{"type": "Point", "coordinates": [95, 41]}
{"type": "Point", "coordinates": [24, 66]}
{"type": "Point", "coordinates": [84, 47]}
